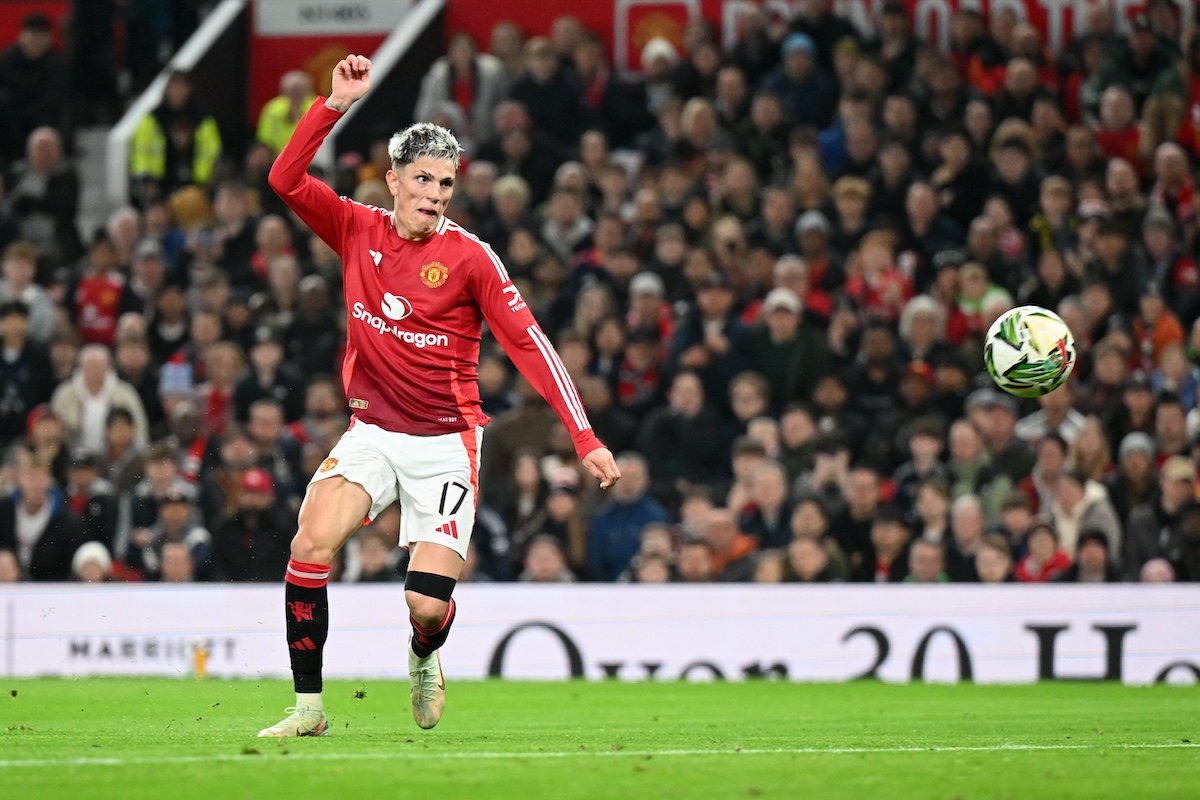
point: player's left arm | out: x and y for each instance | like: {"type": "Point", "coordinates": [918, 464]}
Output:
{"type": "Point", "coordinates": [532, 352]}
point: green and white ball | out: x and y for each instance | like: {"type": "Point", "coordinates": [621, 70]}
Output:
{"type": "Point", "coordinates": [1029, 351]}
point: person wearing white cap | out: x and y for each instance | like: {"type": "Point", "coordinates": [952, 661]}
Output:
{"type": "Point", "coordinates": [788, 353]}
{"type": "Point", "coordinates": [91, 563]}
{"type": "Point", "coordinates": [647, 304]}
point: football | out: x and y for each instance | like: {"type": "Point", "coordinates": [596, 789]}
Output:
{"type": "Point", "coordinates": [1029, 351]}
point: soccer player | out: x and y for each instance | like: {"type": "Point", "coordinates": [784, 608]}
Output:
{"type": "Point", "coordinates": [418, 288]}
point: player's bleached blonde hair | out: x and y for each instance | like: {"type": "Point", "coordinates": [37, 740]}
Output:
{"type": "Point", "coordinates": [423, 140]}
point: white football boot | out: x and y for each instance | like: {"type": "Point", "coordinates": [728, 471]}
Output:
{"type": "Point", "coordinates": [428, 687]}
{"type": "Point", "coordinates": [300, 721]}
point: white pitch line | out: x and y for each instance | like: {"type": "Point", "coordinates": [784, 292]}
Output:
{"type": "Point", "coordinates": [93, 761]}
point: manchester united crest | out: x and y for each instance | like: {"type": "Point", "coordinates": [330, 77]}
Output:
{"type": "Point", "coordinates": [328, 464]}
{"type": "Point", "coordinates": [434, 274]}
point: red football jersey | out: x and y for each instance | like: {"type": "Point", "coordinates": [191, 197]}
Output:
{"type": "Point", "coordinates": [415, 309]}
{"type": "Point", "coordinates": [97, 307]}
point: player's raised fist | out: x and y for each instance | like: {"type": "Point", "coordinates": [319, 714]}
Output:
{"type": "Point", "coordinates": [351, 80]}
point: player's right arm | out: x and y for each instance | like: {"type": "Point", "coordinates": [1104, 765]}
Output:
{"type": "Point", "coordinates": [313, 201]}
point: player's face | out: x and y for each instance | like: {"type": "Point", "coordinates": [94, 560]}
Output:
{"type": "Point", "coordinates": [422, 190]}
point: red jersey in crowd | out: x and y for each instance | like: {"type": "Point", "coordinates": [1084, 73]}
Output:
{"type": "Point", "coordinates": [97, 307]}
{"type": "Point", "coordinates": [416, 309]}
{"type": "Point", "coordinates": [1125, 143]}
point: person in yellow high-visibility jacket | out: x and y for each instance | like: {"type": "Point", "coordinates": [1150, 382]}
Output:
{"type": "Point", "coordinates": [280, 115]}
{"type": "Point", "coordinates": [175, 145]}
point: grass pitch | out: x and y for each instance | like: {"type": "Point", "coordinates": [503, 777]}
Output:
{"type": "Point", "coordinates": [128, 738]}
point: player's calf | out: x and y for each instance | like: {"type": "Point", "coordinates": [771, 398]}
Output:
{"type": "Point", "coordinates": [431, 613]}
{"type": "Point", "coordinates": [431, 610]}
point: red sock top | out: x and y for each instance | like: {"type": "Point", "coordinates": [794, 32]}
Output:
{"type": "Point", "coordinates": [310, 576]}
{"type": "Point", "coordinates": [441, 626]}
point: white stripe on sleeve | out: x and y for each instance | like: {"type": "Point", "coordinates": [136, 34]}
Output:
{"type": "Point", "coordinates": [565, 387]}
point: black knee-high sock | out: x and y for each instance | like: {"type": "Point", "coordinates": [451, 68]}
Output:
{"type": "Point", "coordinates": [307, 607]}
{"type": "Point", "coordinates": [426, 640]}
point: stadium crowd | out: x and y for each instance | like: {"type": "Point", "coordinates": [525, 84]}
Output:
{"type": "Point", "coordinates": [769, 269]}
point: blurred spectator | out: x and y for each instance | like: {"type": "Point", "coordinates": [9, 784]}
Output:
{"type": "Point", "coordinates": [123, 459]}
{"type": "Point", "coordinates": [1044, 560]}
{"type": "Point", "coordinates": [1155, 529]}
{"type": "Point", "coordinates": [993, 561]}
{"type": "Point", "coordinates": [1010, 454]}
{"type": "Point", "coordinates": [33, 85]}
{"type": "Point", "coordinates": [972, 470]}
{"type": "Point", "coordinates": [10, 570]}
{"type": "Point", "coordinates": [681, 441]}
{"type": "Point", "coordinates": [1093, 563]}
{"type": "Point", "coordinates": [560, 518]}
{"type": "Point", "coordinates": [1157, 570]}
{"type": "Point", "coordinates": [931, 511]}
{"type": "Point", "coordinates": [221, 485]}
{"type": "Point", "coordinates": [374, 554]}
{"type": "Point", "coordinates": [809, 95]}
{"type": "Point", "coordinates": [1170, 426]}
{"type": "Point", "coordinates": [545, 562]}
{"type": "Point", "coordinates": [162, 475]}
{"type": "Point", "coordinates": [43, 191]}
{"type": "Point", "coordinates": [25, 373]}
{"type": "Point", "coordinates": [887, 560]}
{"type": "Point", "coordinates": [1138, 59]}
{"type": "Point", "coordinates": [550, 93]}
{"type": "Point", "coordinates": [92, 498]}
{"type": "Point", "coordinates": [1082, 504]}
{"type": "Point", "coordinates": [99, 297]}
{"type": "Point", "coordinates": [250, 542]}
{"type": "Point", "coordinates": [91, 563]}
{"type": "Point", "coordinates": [526, 426]}
{"type": "Point", "coordinates": [20, 262]}
{"type": "Point", "coordinates": [768, 517]}
{"type": "Point", "coordinates": [784, 349]}
{"type": "Point", "coordinates": [809, 562]}
{"type": "Point", "coordinates": [651, 568]}
{"type": "Point", "coordinates": [269, 376]}
{"type": "Point", "coordinates": [230, 240]}
{"type": "Point", "coordinates": [278, 118]}
{"type": "Point", "coordinates": [84, 402]}
{"type": "Point", "coordinates": [617, 527]}
{"type": "Point", "coordinates": [1134, 481]}
{"type": "Point", "coordinates": [1056, 416]}
{"type": "Point", "coordinates": [695, 562]}
{"type": "Point", "coordinates": [176, 563]}
{"type": "Point", "coordinates": [925, 561]}
{"type": "Point", "coordinates": [175, 145]}
{"type": "Point", "coordinates": [178, 522]}
{"type": "Point", "coordinates": [959, 179]}
{"type": "Point", "coordinates": [36, 524]}
{"type": "Point", "coordinates": [1042, 484]}
{"type": "Point", "coordinates": [924, 466]}
{"type": "Point", "coordinates": [729, 548]}
{"type": "Point", "coordinates": [747, 455]}
{"type": "Point", "coordinates": [473, 81]}
{"type": "Point", "coordinates": [769, 567]}
{"type": "Point", "coordinates": [313, 335]}
{"type": "Point", "coordinates": [967, 526]}
{"type": "Point", "coordinates": [46, 439]}
{"type": "Point", "coordinates": [279, 453]}
{"type": "Point", "coordinates": [134, 366]}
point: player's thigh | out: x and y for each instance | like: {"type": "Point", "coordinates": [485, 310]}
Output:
{"type": "Point", "coordinates": [354, 484]}
{"type": "Point", "coordinates": [333, 509]}
{"type": "Point", "coordinates": [438, 477]}
{"type": "Point", "coordinates": [435, 558]}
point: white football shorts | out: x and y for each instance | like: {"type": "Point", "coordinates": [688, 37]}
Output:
{"type": "Point", "coordinates": [435, 478]}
